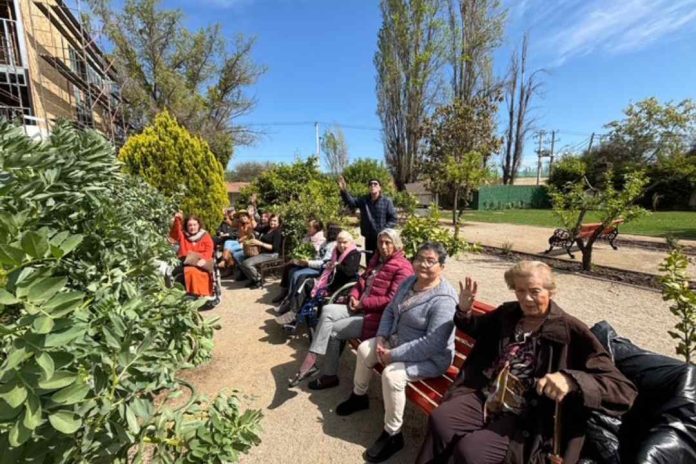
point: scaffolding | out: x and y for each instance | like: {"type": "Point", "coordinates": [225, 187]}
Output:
{"type": "Point", "coordinates": [73, 78]}
{"type": "Point", "coordinates": [14, 93]}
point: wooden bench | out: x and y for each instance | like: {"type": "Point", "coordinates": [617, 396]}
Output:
{"type": "Point", "coordinates": [275, 265]}
{"type": "Point", "coordinates": [561, 237]}
{"type": "Point", "coordinates": [427, 393]}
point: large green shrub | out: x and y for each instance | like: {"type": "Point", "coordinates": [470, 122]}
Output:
{"type": "Point", "coordinates": [91, 337]}
{"type": "Point", "coordinates": [359, 172]}
{"type": "Point", "coordinates": [174, 161]}
{"type": "Point", "coordinates": [297, 192]}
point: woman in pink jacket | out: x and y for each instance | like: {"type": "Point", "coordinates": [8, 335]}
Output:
{"type": "Point", "coordinates": [375, 289]}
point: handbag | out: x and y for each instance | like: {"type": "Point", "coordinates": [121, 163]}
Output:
{"type": "Point", "coordinates": [250, 250]}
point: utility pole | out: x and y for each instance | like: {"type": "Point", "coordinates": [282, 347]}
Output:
{"type": "Point", "coordinates": [540, 134]}
{"type": "Point", "coordinates": [589, 148]}
{"type": "Point", "coordinates": [316, 133]}
{"type": "Point", "coordinates": [553, 144]}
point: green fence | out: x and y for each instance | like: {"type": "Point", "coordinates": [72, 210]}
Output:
{"type": "Point", "coordinates": [511, 196]}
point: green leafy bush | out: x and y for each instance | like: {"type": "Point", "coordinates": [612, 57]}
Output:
{"type": "Point", "coordinates": [90, 334]}
{"type": "Point", "coordinates": [419, 230]}
{"type": "Point", "coordinates": [174, 161]}
{"type": "Point", "coordinates": [359, 172]}
{"type": "Point", "coordinates": [297, 192]}
{"type": "Point", "coordinates": [406, 202]}
{"type": "Point", "coordinates": [303, 251]}
{"type": "Point", "coordinates": [675, 288]}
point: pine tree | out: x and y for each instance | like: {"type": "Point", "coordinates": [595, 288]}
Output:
{"type": "Point", "coordinates": [174, 161]}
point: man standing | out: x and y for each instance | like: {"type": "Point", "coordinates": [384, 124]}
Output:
{"type": "Point", "coordinates": [377, 212]}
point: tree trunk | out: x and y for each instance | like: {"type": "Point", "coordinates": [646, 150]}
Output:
{"type": "Point", "coordinates": [455, 216]}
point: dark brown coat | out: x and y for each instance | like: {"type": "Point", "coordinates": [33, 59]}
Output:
{"type": "Point", "coordinates": [566, 345]}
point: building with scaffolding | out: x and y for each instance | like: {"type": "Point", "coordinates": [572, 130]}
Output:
{"type": "Point", "coordinates": [52, 68]}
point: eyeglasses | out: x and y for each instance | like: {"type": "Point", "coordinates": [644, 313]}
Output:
{"type": "Point", "coordinates": [426, 263]}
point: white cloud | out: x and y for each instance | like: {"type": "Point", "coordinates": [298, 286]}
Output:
{"type": "Point", "coordinates": [571, 28]}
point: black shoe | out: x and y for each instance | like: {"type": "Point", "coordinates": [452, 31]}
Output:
{"type": "Point", "coordinates": [254, 284]}
{"type": "Point", "coordinates": [323, 382]}
{"type": "Point", "coordinates": [353, 404]}
{"type": "Point", "coordinates": [284, 307]}
{"type": "Point", "coordinates": [385, 447]}
{"type": "Point", "coordinates": [295, 381]}
{"type": "Point", "coordinates": [280, 297]}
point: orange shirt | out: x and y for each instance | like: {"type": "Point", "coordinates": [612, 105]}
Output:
{"type": "Point", "coordinates": [203, 247]}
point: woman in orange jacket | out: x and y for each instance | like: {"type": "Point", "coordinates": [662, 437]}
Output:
{"type": "Point", "coordinates": [196, 251]}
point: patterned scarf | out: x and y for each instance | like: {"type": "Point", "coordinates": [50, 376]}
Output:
{"type": "Point", "coordinates": [327, 275]}
{"type": "Point", "coordinates": [195, 237]}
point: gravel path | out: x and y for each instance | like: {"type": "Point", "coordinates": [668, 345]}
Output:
{"type": "Point", "coordinates": [254, 356]}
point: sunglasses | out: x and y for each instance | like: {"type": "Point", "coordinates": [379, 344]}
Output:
{"type": "Point", "coordinates": [372, 183]}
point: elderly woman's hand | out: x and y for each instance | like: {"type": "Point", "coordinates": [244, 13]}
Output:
{"type": "Point", "coordinates": [384, 354]}
{"type": "Point", "coordinates": [555, 386]}
{"type": "Point", "coordinates": [467, 294]}
{"type": "Point", "coordinates": [200, 263]}
{"type": "Point", "coordinates": [354, 304]}
{"type": "Point", "coordinates": [179, 215]}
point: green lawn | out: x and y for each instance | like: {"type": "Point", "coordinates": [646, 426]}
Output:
{"type": "Point", "coordinates": [681, 224]}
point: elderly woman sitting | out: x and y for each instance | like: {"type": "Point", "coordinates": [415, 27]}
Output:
{"type": "Point", "coordinates": [360, 317]}
{"type": "Point", "coordinates": [233, 252]}
{"type": "Point", "coordinates": [529, 384]}
{"type": "Point", "coordinates": [341, 269]}
{"type": "Point", "coordinates": [315, 237]}
{"type": "Point", "coordinates": [415, 340]}
{"type": "Point", "coordinates": [195, 249]}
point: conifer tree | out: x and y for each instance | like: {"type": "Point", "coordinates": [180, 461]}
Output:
{"type": "Point", "coordinates": [174, 161]}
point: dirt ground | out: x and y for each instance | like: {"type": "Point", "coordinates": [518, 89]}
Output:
{"type": "Point", "coordinates": [254, 356]}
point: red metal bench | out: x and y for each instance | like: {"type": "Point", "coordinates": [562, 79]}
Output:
{"type": "Point", "coordinates": [427, 393]}
{"type": "Point", "coordinates": [561, 237]}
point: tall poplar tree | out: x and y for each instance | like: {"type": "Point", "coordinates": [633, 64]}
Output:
{"type": "Point", "coordinates": [408, 61]}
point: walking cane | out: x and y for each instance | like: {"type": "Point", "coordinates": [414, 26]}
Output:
{"type": "Point", "coordinates": [556, 458]}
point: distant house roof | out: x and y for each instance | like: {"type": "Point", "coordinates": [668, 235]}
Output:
{"type": "Point", "coordinates": [235, 187]}
{"type": "Point", "coordinates": [417, 188]}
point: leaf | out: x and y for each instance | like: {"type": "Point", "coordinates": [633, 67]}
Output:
{"type": "Point", "coordinates": [6, 298]}
{"type": "Point", "coordinates": [7, 413]}
{"type": "Point", "coordinates": [44, 289]}
{"type": "Point", "coordinates": [66, 422]}
{"type": "Point", "coordinates": [32, 413]}
{"type": "Point", "coordinates": [59, 379]}
{"type": "Point", "coordinates": [34, 244]}
{"type": "Point", "coordinates": [43, 324]}
{"type": "Point", "coordinates": [58, 339]}
{"type": "Point", "coordinates": [72, 394]}
{"type": "Point", "coordinates": [11, 255]}
{"type": "Point", "coordinates": [16, 357]}
{"type": "Point", "coordinates": [18, 434]}
{"type": "Point", "coordinates": [70, 243]}
{"type": "Point", "coordinates": [63, 300]}
{"type": "Point", "coordinates": [45, 361]}
{"type": "Point", "coordinates": [15, 395]}
{"type": "Point", "coordinates": [133, 425]}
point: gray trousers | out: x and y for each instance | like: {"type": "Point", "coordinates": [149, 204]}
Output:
{"type": "Point", "coordinates": [336, 324]}
{"type": "Point", "coordinates": [248, 266]}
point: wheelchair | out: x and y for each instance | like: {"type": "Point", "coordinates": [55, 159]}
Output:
{"type": "Point", "coordinates": [308, 315]}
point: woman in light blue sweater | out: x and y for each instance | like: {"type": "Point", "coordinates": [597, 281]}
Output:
{"type": "Point", "coordinates": [415, 340]}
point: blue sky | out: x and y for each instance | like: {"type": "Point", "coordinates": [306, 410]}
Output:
{"type": "Point", "coordinates": [600, 56]}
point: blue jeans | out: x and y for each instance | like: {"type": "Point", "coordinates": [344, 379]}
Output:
{"type": "Point", "coordinates": [299, 275]}
{"type": "Point", "coordinates": [235, 248]}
